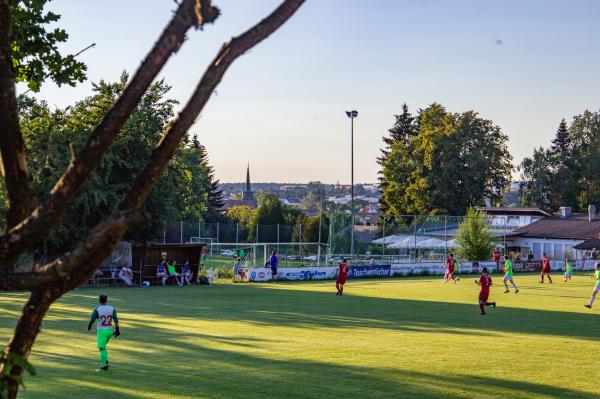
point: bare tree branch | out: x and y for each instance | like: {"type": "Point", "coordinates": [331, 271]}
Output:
{"type": "Point", "coordinates": [41, 220]}
{"type": "Point", "coordinates": [21, 195]}
{"type": "Point", "coordinates": [211, 78]}
{"type": "Point", "coordinates": [69, 271]}
{"type": "Point", "coordinates": [53, 280]}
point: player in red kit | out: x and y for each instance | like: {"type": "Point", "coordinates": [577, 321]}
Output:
{"type": "Point", "coordinates": [545, 269]}
{"type": "Point", "coordinates": [342, 277]}
{"type": "Point", "coordinates": [452, 266]}
{"type": "Point", "coordinates": [485, 281]}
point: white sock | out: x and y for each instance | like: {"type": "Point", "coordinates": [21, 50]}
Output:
{"type": "Point", "coordinates": [506, 285]}
{"type": "Point", "coordinates": [514, 285]}
{"type": "Point", "coordinates": [593, 298]}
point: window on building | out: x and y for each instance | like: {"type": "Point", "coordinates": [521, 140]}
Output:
{"type": "Point", "coordinates": [558, 251]}
{"type": "Point", "coordinates": [548, 249]}
{"type": "Point", "coordinates": [537, 250]}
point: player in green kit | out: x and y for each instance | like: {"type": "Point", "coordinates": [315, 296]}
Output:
{"type": "Point", "coordinates": [568, 271]}
{"type": "Point", "coordinates": [508, 275]}
{"type": "Point", "coordinates": [104, 315]}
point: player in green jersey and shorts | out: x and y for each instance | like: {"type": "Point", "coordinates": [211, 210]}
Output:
{"type": "Point", "coordinates": [596, 276]}
{"type": "Point", "coordinates": [104, 315]}
{"type": "Point", "coordinates": [508, 275]}
{"type": "Point", "coordinates": [568, 271]}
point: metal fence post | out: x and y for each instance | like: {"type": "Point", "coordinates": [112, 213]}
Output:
{"type": "Point", "coordinates": [237, 233]}
{"type": "Point", "coordinates": [383, 236]}
{"type": "Point", "coordinates": [164, 233]}
{"type": "Point", "coordinates": [415, 234]}
{"type": "Point", "coordinates": [446, 235]}
{"type": "Point", "coordinates": [300, 239]}
{"type": "Point", "coordinates": [257, 232]}
{"type": "Point", "coordinates": [181, 232]}
{"type": "Point", "coordinates": [218, 225]}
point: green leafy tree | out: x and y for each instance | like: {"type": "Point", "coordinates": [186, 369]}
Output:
{"type": "Point", "coordinates": [475, 241]}
{"type": "Point", "coordinates": [309, 226]}
{"type": "Point", "coordinates": [566, 173]}
{"type": "Point", "coordinates": [536, 180]}
{"type": "Point", "coordinates": [454, 162]}
{"type": "Point", "coordinates": [54, 137]}
{"type": "Point", "coordinates": [36, 57]}
{"type": "Point", "coordinates": [242, 214]}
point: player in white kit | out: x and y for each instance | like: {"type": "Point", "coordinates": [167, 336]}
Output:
{"type": "Point", "coordinates": [104, 315]}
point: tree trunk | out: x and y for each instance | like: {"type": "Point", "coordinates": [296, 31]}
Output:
{"type": "Point", "coordinates": [27, 330]}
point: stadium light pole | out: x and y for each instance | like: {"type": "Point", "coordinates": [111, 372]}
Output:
{"type": "Point", "coordinates": [352, 114]}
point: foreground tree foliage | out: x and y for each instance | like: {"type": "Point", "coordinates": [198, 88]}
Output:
{"type": "Point", "coordinates": [35, 55]}
{"type": "Point", "coordinates": [182, 190]}
{"type": "Point", "coordinates": [452, 162]}
{"type": "Point", "coordinates": [30, 217]}
{"type": "Point", "coordinates": [566, 173]}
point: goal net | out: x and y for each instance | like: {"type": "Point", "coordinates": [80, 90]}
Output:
{"type": "Point", "coordinates": [256, 254]}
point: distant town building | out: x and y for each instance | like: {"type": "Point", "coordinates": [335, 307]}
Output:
{"type": "Point", "coordinates": [247, 196]}
{"type": "Point", "coordinates": [247, 193]}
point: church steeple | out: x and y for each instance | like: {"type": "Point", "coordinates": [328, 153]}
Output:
{"type": "Point", "coordinates": [248, 194]}
{"type": "Point", "coordinates": [248, 178]}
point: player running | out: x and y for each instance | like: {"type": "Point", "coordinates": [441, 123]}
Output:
{"type": "Point", "coordinates": [452, 267]}
{"type": "Point", "coordinates": [104, 315]}
{"type": "Point", "coordinates": [485, 282]}
{"type": "Point", "coordinates": [342, 277]}
{"type": "Point", "coordinates": [568, 271]}
{"type": "Point", "coordinates": [508, 275]}
{"type": "Point", "coordinates": [546, 269]}
{"type": "Point", "coordinates": [596, 288]}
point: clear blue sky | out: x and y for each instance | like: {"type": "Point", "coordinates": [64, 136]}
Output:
{"type": "Point", "coordinates": [281, 106]}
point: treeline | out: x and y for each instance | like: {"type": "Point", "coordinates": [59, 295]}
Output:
{"type": "Point", "coordinates": [294, 225]}
{"type": "Point", "coordinates": [565, 173]}
{"type": "Point", "coordinates": [439, 162]}
{"type": "Point", "coordinates": [187, 188]}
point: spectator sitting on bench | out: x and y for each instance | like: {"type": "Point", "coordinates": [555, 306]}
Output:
{"type": "Point", "coordinates": [172, 271]}
{"type": "Point", "coordinates": [126, 275]}
{"type": "Point", "coordinates": [186, 273]}
{"type": "Point", "coordinates": [161, 271]}
{"type": "Point", "coordinates": [96, 276]}
{"type": "Point", "coordinates": [238, 268]}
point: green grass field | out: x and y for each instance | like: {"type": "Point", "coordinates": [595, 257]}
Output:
{"type": "Point", "coordinates": [391, 338]}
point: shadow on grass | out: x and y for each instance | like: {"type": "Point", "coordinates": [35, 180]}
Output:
{"type": "Point", "coordinates": [209, 373]}
{"type": "Point", "coordinates": [168, 364]}
{"type": "Point", "coordinates": [266, 306]}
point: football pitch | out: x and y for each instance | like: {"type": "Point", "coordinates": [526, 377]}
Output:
{"type": "Point", "coordinates": [385, 338]}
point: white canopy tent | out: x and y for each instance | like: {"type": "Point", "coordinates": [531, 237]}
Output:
{"type": "Point", "coordinates": [432, 243]}
{"type": "Point", "coordinates": [408, 242]}
{"type": "Point", "coordinates": [388, 240]}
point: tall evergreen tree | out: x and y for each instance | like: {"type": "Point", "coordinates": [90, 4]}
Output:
{"type": "Point", "coordinates": [561, 144]}
{"type": "Point", "coordinates": [403, 130]}
{"type": "Point", "coordinates": [215, 194]}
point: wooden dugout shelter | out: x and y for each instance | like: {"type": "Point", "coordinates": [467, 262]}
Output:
{"type": "Point", "coordinates": [146, 257]}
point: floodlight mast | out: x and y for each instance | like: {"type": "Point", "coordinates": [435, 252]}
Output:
{"type": "Point", "coordinates": [352, 114]}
